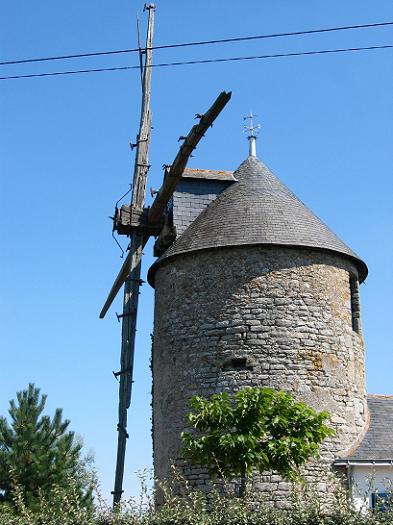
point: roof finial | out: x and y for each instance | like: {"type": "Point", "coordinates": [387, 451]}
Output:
{"type": "Point", "coordinates": [252, 130]}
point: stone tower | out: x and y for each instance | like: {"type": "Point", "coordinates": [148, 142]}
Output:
{"type": "Point", "coordinates": [257, 291]}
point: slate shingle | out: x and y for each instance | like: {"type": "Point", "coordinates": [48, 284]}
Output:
{"type": "Point", "coordinates": [257, 209]}
{"type": "Point", "coordinates": [377, 444]}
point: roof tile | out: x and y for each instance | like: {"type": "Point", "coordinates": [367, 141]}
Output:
{"type": "Point", "coordinates": [377, 444]}
{"type": "Point", "coordinates": [257, 209]}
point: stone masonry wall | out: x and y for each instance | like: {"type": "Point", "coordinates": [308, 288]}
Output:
{"type": "Point", "coordinates": [256, 316]}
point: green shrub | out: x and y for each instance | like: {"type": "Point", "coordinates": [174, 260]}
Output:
{"type": "Point", "coordinates": [256, 429]}
{"type": "Point", "coordinates": [194, 508]}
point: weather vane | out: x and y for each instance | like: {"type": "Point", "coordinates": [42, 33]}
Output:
{"type": "Point", "coordinates": [251, 129]}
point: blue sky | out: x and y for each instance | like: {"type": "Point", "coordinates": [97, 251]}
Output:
{"type": "Point", "coordinates": [326, 132]}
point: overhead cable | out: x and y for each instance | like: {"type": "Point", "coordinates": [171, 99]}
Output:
{"type": "Point", "coordinates": [196, 43]}
{"type": "Point", "coordinates": [204, 61]}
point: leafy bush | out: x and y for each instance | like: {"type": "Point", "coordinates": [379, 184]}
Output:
{"type": "Point", "coordinates": [259, 428]}
{"type": "Point", "coordinates": [65, 508]}
{"type": "Point", "coordinates": [62, 506]}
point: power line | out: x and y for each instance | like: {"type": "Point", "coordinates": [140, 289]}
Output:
{"type": "Point", "coordinates": [57, 73]}
{"type": "Point", "coordinates": [196, 43]}
{"type": "Point", "coordinates": [277, 55]}
{"type": "Point", "coordinates": [204, 61]}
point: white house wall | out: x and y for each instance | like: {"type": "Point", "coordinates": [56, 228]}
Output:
{"type": "Point", "coordinates": [368, 479]}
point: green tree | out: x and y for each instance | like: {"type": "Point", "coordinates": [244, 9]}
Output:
{"type": "Point", "coordinates": [38, 453]}
{"type": "Point", "coordinates": [260, 428]}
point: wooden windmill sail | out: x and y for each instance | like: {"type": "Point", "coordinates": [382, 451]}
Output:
{"type": "Point", "coordinates": [139, 223]}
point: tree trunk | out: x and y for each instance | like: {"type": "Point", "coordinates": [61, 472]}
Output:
{"type": "Point", "coordinates": [243, 483]}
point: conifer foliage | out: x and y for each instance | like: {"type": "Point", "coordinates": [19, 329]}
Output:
{"type": "Point", "coordinates": [37, 452]}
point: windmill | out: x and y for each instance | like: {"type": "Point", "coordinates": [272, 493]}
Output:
{"type": "Point", "coordinates": [139, 224]}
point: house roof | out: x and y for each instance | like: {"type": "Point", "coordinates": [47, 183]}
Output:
{"type": "Point", "coordinates": [377, 444]}
{"type": "Point", "coordinates": [258, 209]}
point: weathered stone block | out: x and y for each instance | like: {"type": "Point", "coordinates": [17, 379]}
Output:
{"type": "Point", "coordinates": [295, 305]}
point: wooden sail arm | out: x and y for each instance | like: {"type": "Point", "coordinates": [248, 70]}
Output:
{"type": "Point", "coordinates": [175, 172]}
{"type": "Point", "coordinates": [125, 270]}
{"type": "Point", "coordinates": [177, 168]}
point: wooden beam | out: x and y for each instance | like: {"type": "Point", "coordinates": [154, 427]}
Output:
{"type": "Point", "coordinates": [125, 270]}
{"type": "Point", "coordinates": [169, 185]}
{"type": "Point", "coordinates": [132, 266]}
{"type": "Point", "coordinates": [128, 220]}
{"type": "Point", "coordinates": [180, 162]}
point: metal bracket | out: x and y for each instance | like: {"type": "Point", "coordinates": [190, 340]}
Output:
{"type": "Point", "coordinates": [122, 429]}
{"type": "Point", "coordinates": [133, 146]}
{"type": "Point", "coordinates": [132, 279]}
{"type": "Point", "coordinates": [127, 314]}
{"type": "Point", "coordinates": [117, 374]}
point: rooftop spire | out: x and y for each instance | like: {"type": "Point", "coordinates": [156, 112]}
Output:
{"type": "Point", "coordinates": [252, 130]}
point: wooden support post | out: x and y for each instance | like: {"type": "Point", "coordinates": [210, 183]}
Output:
{"type": "Point", "coordinates": [133, 268]}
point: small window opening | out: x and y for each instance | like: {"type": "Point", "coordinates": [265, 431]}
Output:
{"type": "Point", "coordinates": [355, 304]}
{"type": "Point", "coordinates": [237, 363]}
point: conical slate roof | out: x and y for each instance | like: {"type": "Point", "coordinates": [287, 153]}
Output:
{"type": "Point", "coordinates": [257, 209]}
